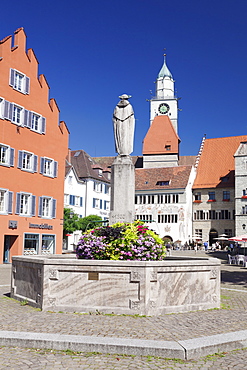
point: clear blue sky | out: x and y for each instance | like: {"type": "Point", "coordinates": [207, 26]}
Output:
{"type": "Point", "coordinates": [93, 51]}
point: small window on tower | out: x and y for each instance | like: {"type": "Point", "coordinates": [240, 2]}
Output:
{"type": "Point", "coordinates": [168, 147]}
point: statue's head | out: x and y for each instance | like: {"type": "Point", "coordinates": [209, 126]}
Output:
{"type": "Point", "coordinates": [124, 97]}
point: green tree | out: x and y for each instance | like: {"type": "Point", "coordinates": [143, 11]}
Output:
{"type": "Point", "coordinates": [87, 223]}
{"type": "Point", "coordinates": [70, 221]}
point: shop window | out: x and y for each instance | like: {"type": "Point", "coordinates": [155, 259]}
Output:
{"type": "Point", "coordinates": [48, 244]}
{"type": "Point", "coordinates": [31, 244]}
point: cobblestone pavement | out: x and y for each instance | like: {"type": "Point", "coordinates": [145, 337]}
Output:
{"type": "Point", "coordinates": [232, 317]}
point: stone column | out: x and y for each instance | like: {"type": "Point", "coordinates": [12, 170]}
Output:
{"type": "Point", "coordinates": [122, 190]}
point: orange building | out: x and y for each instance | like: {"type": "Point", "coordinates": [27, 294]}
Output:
{"type": "Point", "coordinates": [33, 147]}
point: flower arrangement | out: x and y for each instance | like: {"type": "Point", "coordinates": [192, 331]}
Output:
{"type": "Point", "coordinates": [121, 241]}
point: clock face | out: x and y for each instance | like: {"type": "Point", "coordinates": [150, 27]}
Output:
{"type": "Point", "coordinates": [163, 108]}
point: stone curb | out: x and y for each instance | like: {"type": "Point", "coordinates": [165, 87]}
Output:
{"type": "Point", "coordinates": [185, 350]}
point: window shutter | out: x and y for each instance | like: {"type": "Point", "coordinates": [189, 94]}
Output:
{"type": "Point", "coordinates": [12, 156]}
{"type": "Point", "coordinates": [101, 203]}
{"type": "Point", "coordinates": [11, 106]}
{"type": "Point", "coordinates": [18, 203]}
{"type": "Point", "coordinates": [71, 200]}
{"type": "Point", "coordinates": [43, 125]}
{"type": "Point", "coordinates": [101, 188]}
{"type": "Point", "coordinates": [94, 201]}
{"type": "Point", "coordinates": [81, 202]}
{"type": "Point", "coordinates": [10, 201]}
{"type": "Point", "coordinates": [35, 163]}
{"type": "Point", "coordinates": [6, 109]}
{"type": "Point", "coordinates": [20, 156]}
{"type": "Point", "coordinates": [42, 163]}
{"type": "Point", "coordinates": [40, 206]}
{"type": "Point", "coordinates": [29, 121]}
{"type": "Point", "coordinates": [25, 121]}
{"type": "Point", "coordinates": [12, 77]}
{"type": "Point", "coordinates": [55, 169]}
{"type": "Point", "coordinates": [33, 205]}
{"type": "Point", "coordinates": [27, 85]}
{"type": "Point", "coordinates": [53, 213]}
{"type": "Point", "coordinates": [105, 204]}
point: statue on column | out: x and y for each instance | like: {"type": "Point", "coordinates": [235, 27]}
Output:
{"type": "Point", "coordinates": [124, 126]}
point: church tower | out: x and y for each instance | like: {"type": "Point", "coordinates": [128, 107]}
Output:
{"type": "Point", "coordinates": [161, 143]}
{"type": "Point", "coordinates": [164, 102]}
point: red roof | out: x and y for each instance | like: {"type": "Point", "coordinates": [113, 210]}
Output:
{"type": "Point", "coordinates": [216, 166]}
{"type": "Point", "coordinates": [161, 137]}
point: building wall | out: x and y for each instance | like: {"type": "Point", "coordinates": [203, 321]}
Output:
{"type": "Point", "coordinates": [241, 189]}
{"type": "Point", "coordinates": [203, 209]}
{"type": "Point", "coordinates": [23, 135]}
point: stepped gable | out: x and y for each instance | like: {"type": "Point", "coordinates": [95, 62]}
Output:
{"type": "Point", "coordinates": [153, 178]}
{"type": "Point", "coordinates": [216, 165]}
{"type": "Point", "coordinates": [161, 134]}
{"type": "Point", "coordinates": [86, 167]}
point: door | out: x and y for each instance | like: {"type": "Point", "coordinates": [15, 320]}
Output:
{"type": "Point", "coordinates": [6, 248]}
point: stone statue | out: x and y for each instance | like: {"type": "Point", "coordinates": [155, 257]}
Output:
{"type": "Point", "coordinates": [124, 126]}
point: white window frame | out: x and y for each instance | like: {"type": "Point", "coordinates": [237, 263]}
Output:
{"type": "Point", "coordinates": [2, 108]}
{"type": "Point", "coordinates": [25, 204]}
{"type": "Point", "coordinates": [19, 81]}
{"type": "Point", "coordinates": [17, 115]}
{"type": "Point", "coordinates": [47, 207]}
{"type": "Point", "coordinates": [6, 155]}
{"type": "Point", "coordinates": [48, 167]}
{"type": "Point", "coordinates": [27, 161]}
{"type": "Point", "coordinates": [6, 201]}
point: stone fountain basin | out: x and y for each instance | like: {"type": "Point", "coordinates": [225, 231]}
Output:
{"type": "Point", "coordinates": [64, 283]}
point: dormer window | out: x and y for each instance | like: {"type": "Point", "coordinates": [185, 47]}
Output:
{"type": "Point", "coordinates": [100, 173]}
{"type": "Point", "coordinates": [163, 183]}
{"type": "Point", "coordinates": [168, 147]}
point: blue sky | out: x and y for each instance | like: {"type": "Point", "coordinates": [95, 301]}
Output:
{"type": "Point", "coordinates": [93, 51]}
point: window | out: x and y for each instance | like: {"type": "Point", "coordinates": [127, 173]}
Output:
{"type": "Point", "coordinates": [31, 244]}
{"type": "Point", "coordinates": [47, 207]}
{"type": "Point", "coordinates": [34, 121]}
{"type": "Point", "coordinates": [162, 183]}
{"type": "Point", "coordinates": [228, 232]}
{"type": "Point", "coordinates": [98, 187]}
{"type": "Point", "coordinates": [6, 201]}
{"type": "Point", "coordinates": [167, 219]}
{"type": "Point", "coordinates": [106, 205]}
{"type": "Point", "coordinates": [197, 196]}
{"type": "Point", "coordinates": [226, 195]}
{"type": "Point", "coordinates": [145, 218]}
{"type": "Point", "coordinates": [48, 244]}
{"type": "Point", "coordinates": [6, 155]}
{"type": "Point", "coordinates": [1, 108]}
{"type": "Point", "coordinates": [27, 161]}
{"type": "Point", "coordinates": [167, 147]}
{"type": "Point", "coordinates": [19, 81]}
{"type": "Point", "coordinates": [244, 210]}
{"type": "Point", "coordinates": [211, 195]}
{"type": "Point", "coordinates": [48, 167]}
{"type": "Point", "coordinates": [160, 199]}
{"type": "Point", "coordinates": [25, 204]}
{"type": "Point", "coordinates": [198, 232]}
{"type": "Point", "coordinates": [97, 203]}
{"type": "Point", "coordinates": [150, 199]}
{"type": "Point", "coordinates": [75, 200]}
{"type": "Point", "coordinates": [107, 189]}
{"type": "Point", "coordinates": [17, 115]}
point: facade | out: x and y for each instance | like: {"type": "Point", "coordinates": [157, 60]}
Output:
{"type": "Point", "coordinates": [214, 189]}
{"type": "Point", "coordinates": [87, 190]}
{"type": "Point", "coordinates": [241, 189]}
{"type": "Point", "coordinates": [164, 199]}
{"type": "Point", "coordinates": [33, 148]}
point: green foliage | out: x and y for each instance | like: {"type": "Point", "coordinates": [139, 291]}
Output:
{"type": "Point", "coordinates": [70, 221]}
{"type": "Point", "coordinates": [87, 223]}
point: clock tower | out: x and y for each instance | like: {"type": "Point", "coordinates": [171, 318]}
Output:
{"type": "Point", "coordinates": [164, 102]}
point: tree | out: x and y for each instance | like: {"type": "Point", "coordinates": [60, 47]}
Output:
{"type": "Point", "coordinates": [70, 221]}
{"type": "Point", "coordinates": [86, 223]}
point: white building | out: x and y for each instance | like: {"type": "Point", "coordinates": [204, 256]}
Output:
{"type": "Point", "coordinates": [87, 190]}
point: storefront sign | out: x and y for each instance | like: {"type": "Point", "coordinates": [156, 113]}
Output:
{"type": "Point", "coordinates": [40, 226]}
